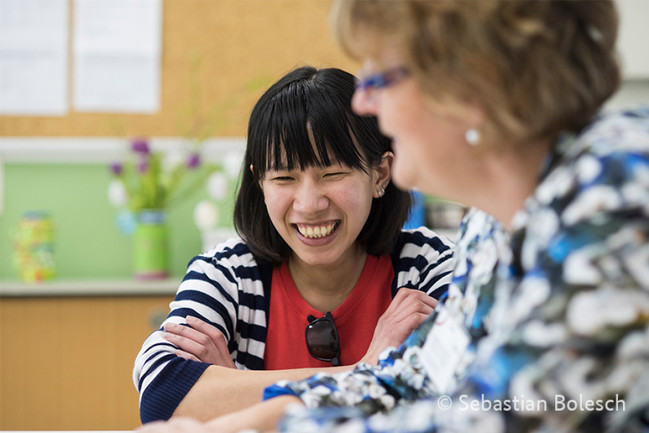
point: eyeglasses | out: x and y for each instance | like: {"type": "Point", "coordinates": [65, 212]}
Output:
{"type": "Point", "coordinates": [383, 79]}
{"type": "Point", "coordinates": [322, 340]}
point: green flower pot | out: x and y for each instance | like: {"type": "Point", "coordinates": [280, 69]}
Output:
{"type": "Point", "coordinates": [150, 247]}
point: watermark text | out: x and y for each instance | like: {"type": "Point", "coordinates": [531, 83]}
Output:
{"type": "Point", "coordinates": [560, 403]}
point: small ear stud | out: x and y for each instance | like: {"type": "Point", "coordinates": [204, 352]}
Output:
{"type": "Point", "coordinates": [381, 191]}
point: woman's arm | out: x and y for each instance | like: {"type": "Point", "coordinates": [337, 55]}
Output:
{"type": "Point", "coordinates": [262, 417]}
{"type": "Point", "coordinates": [212, 291]}
{"type": "Point", "coordinates": [222, 390]}
{"type": "Point", "coordinates": [424, 261]}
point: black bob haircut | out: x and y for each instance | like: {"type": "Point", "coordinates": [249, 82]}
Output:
{"type": "Point", "coordinates": [319, 100]}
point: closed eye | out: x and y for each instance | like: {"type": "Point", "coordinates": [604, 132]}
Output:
{"type": "Point", "coordinates": [282, 178]}
{"type": "Point", "coordinates": [336, 174]}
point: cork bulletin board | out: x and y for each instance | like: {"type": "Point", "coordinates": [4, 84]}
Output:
{"type": "Point", "coordinates": [218, 56]}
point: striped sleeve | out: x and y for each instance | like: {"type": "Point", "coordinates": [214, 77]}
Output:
{"type": "Point", "coordinates": [223, 287]}
{"type": "Point", "coordinates": [423, 260]}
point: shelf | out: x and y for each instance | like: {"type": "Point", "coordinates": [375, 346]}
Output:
{"type": "Point", "coordinates": [90, 288]}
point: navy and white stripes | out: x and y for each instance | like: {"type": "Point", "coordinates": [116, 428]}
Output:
{"type": "Point", "coordinates": [228, 289]}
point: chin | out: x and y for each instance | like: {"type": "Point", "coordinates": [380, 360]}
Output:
{"type": "Point", "coordinates": [404, 179]}
{"type": "Point", "coordinates": [403, 173]}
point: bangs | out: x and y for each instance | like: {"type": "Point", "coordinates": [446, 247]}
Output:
{"type": "Point", "coordinates": [302, 127]}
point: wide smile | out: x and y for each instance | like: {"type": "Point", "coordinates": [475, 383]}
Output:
{"type": "Point", "coordinates": [317, 231]}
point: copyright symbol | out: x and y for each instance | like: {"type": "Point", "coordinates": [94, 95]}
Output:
{"type": "Point", "coordinates": [444, 402]}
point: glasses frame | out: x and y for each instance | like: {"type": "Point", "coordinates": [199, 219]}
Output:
{"type": "Point", "coordinates": [383, 79]}
{"type": "Point", "coordinates": [327, 318]}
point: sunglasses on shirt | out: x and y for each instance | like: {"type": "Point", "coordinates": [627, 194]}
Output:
{"type": "Point", "coordinates": [322, 340]}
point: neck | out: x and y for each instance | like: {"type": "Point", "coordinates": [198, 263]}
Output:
{"type": "Point", "coordinates": [326, 287]}
{"type": "Point", "coordinates": [508, 179]}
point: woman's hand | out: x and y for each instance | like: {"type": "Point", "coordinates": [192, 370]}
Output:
{"type": "Point", "coordinates": [176, 425]}
{"type": "Point", "coordinates": [406, 312]}
{"type": "Point", "coordinates": [199, 341]}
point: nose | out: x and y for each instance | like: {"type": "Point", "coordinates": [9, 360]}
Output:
{"type": "Point", "coordinates": [310, 198]}
{"type": "Point", "coordinates": [364, 101]}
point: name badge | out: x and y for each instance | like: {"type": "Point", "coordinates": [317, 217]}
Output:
{"type": "Point", "coordinates": [445, 345]}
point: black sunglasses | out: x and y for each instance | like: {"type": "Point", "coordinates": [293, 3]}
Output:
{"type": "Point", "coordinates": [322, 340]}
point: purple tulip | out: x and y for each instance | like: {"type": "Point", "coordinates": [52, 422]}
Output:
{"type": "Point", "coordinates": [116, 168]}
{"type": "Point", "coordinates": [140, 146]}
{"type": "Point", "coordinates": [194, 160]}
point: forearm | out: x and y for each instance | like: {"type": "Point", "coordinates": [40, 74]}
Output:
{"type": "Point", "coordinates": [221, 390]}
{"type": "Point", "coordinates": [262, 416]}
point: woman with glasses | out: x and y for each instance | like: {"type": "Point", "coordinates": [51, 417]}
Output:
{"type": "Point", "coordinates": [321, 275]}
{"type": "Point", "coordinates": [497, 104]}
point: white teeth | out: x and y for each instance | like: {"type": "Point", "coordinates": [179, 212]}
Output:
{"type": "Point", "coordinates": [317, 231]}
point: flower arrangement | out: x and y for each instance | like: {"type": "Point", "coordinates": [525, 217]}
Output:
{"type": "Point", "coordinates": [155, 181]}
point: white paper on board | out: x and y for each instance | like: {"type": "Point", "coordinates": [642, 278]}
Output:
{"type": "Point", "coordinates": [34, 57]}
{"type": "Point", "coordinates": [117, 48]}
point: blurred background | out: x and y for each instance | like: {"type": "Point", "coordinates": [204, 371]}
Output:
{"type": "Point", "coordinates": [112, 107]}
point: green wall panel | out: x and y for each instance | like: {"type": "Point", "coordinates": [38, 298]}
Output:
{"type": "Point", "coordinates": [89, 245]}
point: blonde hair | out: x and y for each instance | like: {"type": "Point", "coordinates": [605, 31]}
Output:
{"type": "Point", "coordinates": [535, 67]}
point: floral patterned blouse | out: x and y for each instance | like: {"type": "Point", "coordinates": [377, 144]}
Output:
{"type": "Point", "coordinates": [555, 313]}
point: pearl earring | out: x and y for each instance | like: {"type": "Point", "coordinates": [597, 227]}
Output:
{"type": "Point", "coordinates": [472, 136]}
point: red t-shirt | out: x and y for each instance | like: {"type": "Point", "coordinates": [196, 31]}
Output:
{"type": "Point", "coordinates": [355, 318]}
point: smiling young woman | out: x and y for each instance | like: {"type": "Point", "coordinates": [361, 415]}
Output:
{"type": "Point", "coordinates": [323, 274]}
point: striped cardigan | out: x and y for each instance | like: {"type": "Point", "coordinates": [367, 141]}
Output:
{"type": "Point", "coordinates": [229, 289]}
